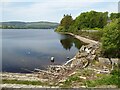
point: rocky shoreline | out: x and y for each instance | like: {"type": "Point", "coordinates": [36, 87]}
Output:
{"type": "Point", "coordinates": [59, 73]}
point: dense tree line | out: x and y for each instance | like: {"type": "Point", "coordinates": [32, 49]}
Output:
{"type": "Point", "coordinates": [114, 16]}
{"type": "Point", "coordinates": [28, 25]}
{"type": "Point", "coordinates": [91, 19]}
{"type": "Point", "coordinates": [85, 20]}
{"type": "Point", "coordinates": [12, 27]}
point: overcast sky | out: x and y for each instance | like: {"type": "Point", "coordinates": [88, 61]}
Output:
{"type": "Point", "coordinates": [51, 10]}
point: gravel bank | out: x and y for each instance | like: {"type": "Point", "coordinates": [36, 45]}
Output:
{"type": "Point", "coordinates": [85, 40]}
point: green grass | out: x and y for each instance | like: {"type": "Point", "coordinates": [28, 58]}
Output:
{"type": "Point", "coordinates": [75, 80]}
{"type": "Point", "coordinates": [91, 35]}
{"type": "Point", "coordinates": [111, 79]}
{"type": "Point", "coordinates": [107, 80]}
{"type": "Point", "coordinates": [102, 79]}
{"type": "Point", "coordinates": [70, 81]}
{"type": "Point", "coordinates": [87, 72]}
{"type": "Point", "coordinates": [92, 28]}
{"type": "Point", "coordinates": [22, 82]}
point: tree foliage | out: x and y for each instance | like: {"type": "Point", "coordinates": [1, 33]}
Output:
{"type": "Point", "coordinates": [65, 23]}
{"type": "Point", "coordinates": [91, 19]}
{"type": "Point", "coordinates": [111, 39]}
{"type": "Point", "coordinates": [114, 16]}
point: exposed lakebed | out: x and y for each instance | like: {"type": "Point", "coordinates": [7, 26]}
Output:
{"type": "Point", "coordinates": [32, 48]}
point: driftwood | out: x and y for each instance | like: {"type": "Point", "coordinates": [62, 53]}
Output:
{"type": "Point", "coordinates": [81, 60]}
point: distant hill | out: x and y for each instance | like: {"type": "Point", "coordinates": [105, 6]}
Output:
{"type": "Point", "coordinates": [28, 25]}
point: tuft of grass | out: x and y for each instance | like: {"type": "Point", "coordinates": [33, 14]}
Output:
{"type": "Point", "coordinates": [70, 81]}
{"type": "Point", "coordinates": [87, 72]}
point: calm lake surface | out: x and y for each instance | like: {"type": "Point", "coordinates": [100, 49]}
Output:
{"type": "Point", "coordinates": [32, 48]}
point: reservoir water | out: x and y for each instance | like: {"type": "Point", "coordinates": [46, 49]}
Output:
{"type": "Point", "coordinates": [32, 48]}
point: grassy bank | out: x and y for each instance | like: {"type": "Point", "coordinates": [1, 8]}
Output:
{"type": "Point", "coordinates": [22, 82]}
{"type": "Point", "coordinates": [91, 35]}
{"type": "Point", "coordinates": [106, 80]}
{"type": "Point", "coordinates": [82, 77]}
{"type": "Point", "coordinates": [25, 82]}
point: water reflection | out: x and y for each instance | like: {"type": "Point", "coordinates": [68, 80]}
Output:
{"type": "Point", "coordinates": [69, 41]}
{"type": "Point", "coordinates": [66, 43]}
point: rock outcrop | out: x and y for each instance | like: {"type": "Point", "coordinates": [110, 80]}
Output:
{"type": "Point", "coordinates": [86, 55]}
